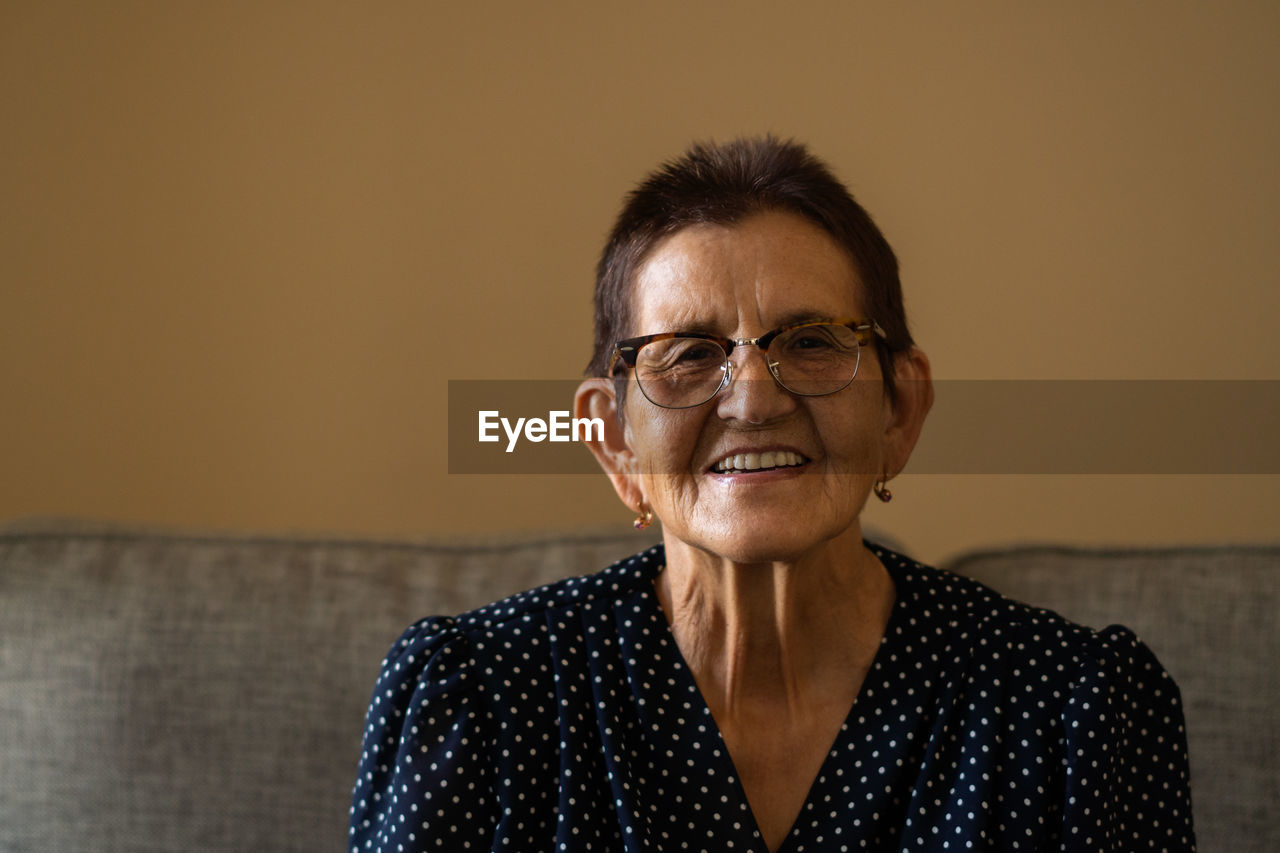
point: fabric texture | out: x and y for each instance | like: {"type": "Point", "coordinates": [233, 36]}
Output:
{"type": "Point", "coordinates": [179, 692]}
{"type": "Point", "coordinates": [564, 719]}
{"type": "Point", "coordinates": [1210, 613]}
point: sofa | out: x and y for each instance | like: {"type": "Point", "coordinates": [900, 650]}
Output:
{"type": "Point", "coordinates": [166, 691]}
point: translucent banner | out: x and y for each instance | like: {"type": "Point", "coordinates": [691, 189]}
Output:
{"type": "Point", "coordinates": [975, 427]}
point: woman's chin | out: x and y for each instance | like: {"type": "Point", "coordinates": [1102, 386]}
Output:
{"type": "Point", "coordinates": [748, 540]}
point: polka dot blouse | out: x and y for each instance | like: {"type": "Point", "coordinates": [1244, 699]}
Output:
{"type": "Point", "coordinates": [564, 718]}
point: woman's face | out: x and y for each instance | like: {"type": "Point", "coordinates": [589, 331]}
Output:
{"type": "Point", "coordinates": [741, 281]}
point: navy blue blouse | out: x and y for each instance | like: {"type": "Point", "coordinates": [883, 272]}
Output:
{"type": "Point", "coordinates": [564, 718]}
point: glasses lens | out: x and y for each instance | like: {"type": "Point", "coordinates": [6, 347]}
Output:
{"type": "Point", "coordinates": [815, 360]}
{"type": "Point", "coordinates": [680, 372]}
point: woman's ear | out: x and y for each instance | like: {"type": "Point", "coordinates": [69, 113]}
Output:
{"type": "Point", "coordinates": [597, 398]}
{"type": "Point", "coordinates": [913, 397]}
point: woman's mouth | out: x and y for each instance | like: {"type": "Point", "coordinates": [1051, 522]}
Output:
{"type": "Point", "coordinates": [743, 462]}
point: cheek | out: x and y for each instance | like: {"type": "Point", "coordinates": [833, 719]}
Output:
{"type": "Point", "coordinates": [853, 438]}
{"type": "Point", "coordinates": [664, 444]}
{"type": "Point", "coordinates": [662, 441]}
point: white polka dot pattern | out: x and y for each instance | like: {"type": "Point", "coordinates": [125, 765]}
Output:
{"type": "Point", "coordinates": [564, 719]}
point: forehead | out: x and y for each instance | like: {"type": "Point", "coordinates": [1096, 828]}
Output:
{"type": "Point", "coordinates": [767, 270]}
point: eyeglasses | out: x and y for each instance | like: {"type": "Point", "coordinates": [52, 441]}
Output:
{"type": "Point", "coordinates": [679, 370]}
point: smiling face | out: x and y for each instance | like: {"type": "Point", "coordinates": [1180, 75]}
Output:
{"type": "Point", "coordinates": [741, 281]}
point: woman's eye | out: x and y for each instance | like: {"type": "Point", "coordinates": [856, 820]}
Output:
{"type": "Point", "coordinates": [700, 352]}
{"type": "Point", "coordinates": [819, 341]}
{"type": "Point", "coordinates": [810, 341]}
{"type": "Point", "coordinates": [681, 355]}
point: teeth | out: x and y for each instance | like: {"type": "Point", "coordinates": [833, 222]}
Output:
{"type": "Point", "coordinates": [756, 461]}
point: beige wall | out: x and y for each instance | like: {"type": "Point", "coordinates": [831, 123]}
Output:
{"type": "Point", "coordinates": [244, 245]}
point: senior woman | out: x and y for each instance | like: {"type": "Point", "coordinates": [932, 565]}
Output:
{"type": "Point", "coordinates": [765, 679]}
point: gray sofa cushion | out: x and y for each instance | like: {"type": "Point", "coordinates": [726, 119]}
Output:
{"type": "Point", "coordinates": [164, 693]}
{"type": "Point", "coordinates": [1209, 614]}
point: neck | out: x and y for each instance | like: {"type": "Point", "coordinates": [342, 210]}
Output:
{"type": "Point", "coordinates": [776, 639]}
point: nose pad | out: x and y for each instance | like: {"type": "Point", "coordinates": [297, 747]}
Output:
{"type": "Point", "coordinates": [773, 370]}
{"type": "Point", "coordinates": [727, 378]}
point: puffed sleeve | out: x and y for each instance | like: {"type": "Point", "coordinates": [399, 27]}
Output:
{"type": "Point", "coordinates": [1127, 784]}
{"type": "Point", "coordinates": [424, 780]}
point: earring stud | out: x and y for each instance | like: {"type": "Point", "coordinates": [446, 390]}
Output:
{"type": "Point", "coordinates": [881, 489]}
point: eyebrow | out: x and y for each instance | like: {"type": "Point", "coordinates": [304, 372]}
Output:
{"type": "Point", "coordinates": [804, 316]}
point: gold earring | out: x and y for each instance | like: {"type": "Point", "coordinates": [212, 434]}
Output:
{"type": "Point", "coordinates": [881, 489]}
{"type": "Point", "coordinates": [644, 519]}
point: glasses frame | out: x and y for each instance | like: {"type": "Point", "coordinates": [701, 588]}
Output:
{"type": "Point", "coordinates": [628, 349]}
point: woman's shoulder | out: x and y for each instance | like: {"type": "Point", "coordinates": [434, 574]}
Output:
{"type": "Point", "coordinates": [1096, 702]}
{"type": "Point", "coordinates": [457, 637]}
{"type": "Point", "coordinates": [994, 624]}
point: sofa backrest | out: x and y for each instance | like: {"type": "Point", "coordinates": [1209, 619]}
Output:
{"type": "Point", "coordinates": [177, 692]}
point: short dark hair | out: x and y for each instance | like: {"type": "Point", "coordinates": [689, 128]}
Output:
{"type": "Point", "coordinates": [722, 184]}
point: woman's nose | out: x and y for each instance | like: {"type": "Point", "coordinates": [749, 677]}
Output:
{"type": "Point", "coordinates": [753, 394]}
